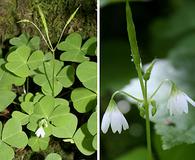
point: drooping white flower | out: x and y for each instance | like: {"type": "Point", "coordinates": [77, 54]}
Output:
{"type": "Point", "coordinates": [115, 118]}
{"type": "Point", "coordinates": [40, 132]}
{"type": "Point", "coordinates": [178, 102]}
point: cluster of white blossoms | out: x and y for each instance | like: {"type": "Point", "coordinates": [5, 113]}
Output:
{"type": "Point", "coordinates": [176, 100]}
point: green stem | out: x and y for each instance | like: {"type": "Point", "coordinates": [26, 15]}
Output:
{"type": "Point", "coordinates": [137, 61]}
{"type": "Point", "coordinates": [126, 94]}
{"type": "Point", "coordinates": [148, 134]}
{"type": "Point", "coordinates": [53, 74]}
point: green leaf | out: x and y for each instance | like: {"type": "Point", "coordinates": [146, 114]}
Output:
{"type": "Point", "coordinates": [17, 61]}
{"type": "Point", "coordinates": [20, 61]}
{"type": "Point", "coordinates": [72, 43]}
{"type": "Point", "coordinates": [66, 76]}
{"type": "Point", "coordinates": [21, 117]}
{"type": "Point", "coordinates": [63, 77]}
{"type": "Point", "coordinates": [83, 140]}
{"type": "Point", "coordinates": [64, 124]}
{"type": "Point", "coordinates": [61, 105]}
{"type": "Point", "coordinates": [6, 98]}
{"type": "Point", "coordinates": [89, 47]}
{"type": "Point", "coordinates": [19, 41]}
{"type": "Point", "coordinates": [34, 43]}
{"type": "Point", "coordinates": [53, 156]}
{"type": "Point", "coordinates": [72, 46]}
{"type": "Point", "coordinates": [7, 79]}
{"type": "Point", "coordinates": [35, 60]}
{"type": "Point", "coordinates": [83, 99]}
{"type": "Point", "coordinates": [73, 56]}
{"type": "Point", "coordinates": [38, 144]}
{"type": "Point", "coordinates": [92, 123]}
{"type": "Point", "coordinates": [87, 74]}
{"type": "Point", "coordinates": [6, 152]}
{"type": "Point", "coordinates": [45, 106]}
{"type": "Point", "coordinates": [28, 107]}
{"type": "Point", "coordinates": [13, 135]}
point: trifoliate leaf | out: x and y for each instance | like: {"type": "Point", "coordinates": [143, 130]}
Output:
{"type": "Point", "coordinates": [38, 144]}
{"type": "Point", "coordinates": [17, 61]}
{"type": "Point", "coordinates": [23, 39]}
{"type": "Point", "coordinates": [87, 74]}
{"type": "Point", "coordinates": [83, 99]}
{"type": "Point", "coordinates": [72, 46]}
{"type": "Point", "coordinates": [83, 140]}
{"type": "Point", "coordinates": [7, 79]}
{"type": "Point", "coordinates": [21, 61]}
{"type": "Point", "coordinates": [19, 41]}
{"type": "Point", "coordinates": [63, 77]}
{"type": "Point", "coordinates": [13, 135]}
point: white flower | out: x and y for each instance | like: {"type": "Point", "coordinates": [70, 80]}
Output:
{"type": "Point", "coordinates": [178, 102]}
{"type": "Point", "coordinates": [114, 117]}
{"type": "Point", "coordinates": [40, 132]}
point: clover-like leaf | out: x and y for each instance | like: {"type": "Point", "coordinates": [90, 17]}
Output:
{"type": "Point", "coordinates": [21, 62]}
{"type": "Point", "coordinates": [63, 77]}
{"type": "Point", "coordinates": [38, 144]}
{"type": "Point", "coordinates": [13, 135]}
{"type": "Point", "coordinates": [83, 140]}
{"type": "Point", "coordinates": [72, 48]}
{"type": "Point", "coordinates": [17, 61]}
{"type": "Point", "coordinates": [87, 74]}
{"type": "Point", "coordinates": [19, 41]}
{"type": "Point", "coordinates": [55, 111]}
{"type": "Point", "coordinates": [23, 39]}
{"type": "Point", "coordinates": [7, 79]}
{"type": "Point", "coordinates": [83, 99]}
{"type": "Point", "coordinates": [53, 156]}
{"type": "Point", "coordinates": [92, 123]}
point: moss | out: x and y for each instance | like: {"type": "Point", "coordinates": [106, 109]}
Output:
{"type": "Point", "coordinates": [56, 11]}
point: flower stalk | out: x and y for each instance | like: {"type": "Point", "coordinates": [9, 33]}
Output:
{"type": "Point", "coordinates": [137, 62]}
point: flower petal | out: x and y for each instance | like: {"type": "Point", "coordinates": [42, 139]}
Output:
{"type": "Point", "coordinates": [105, 121]}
